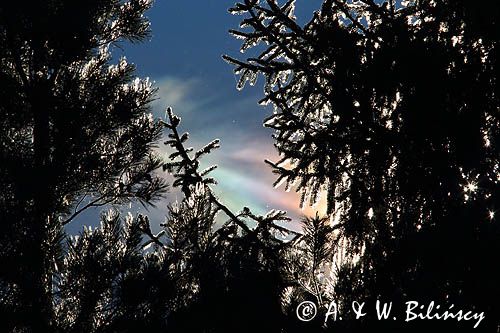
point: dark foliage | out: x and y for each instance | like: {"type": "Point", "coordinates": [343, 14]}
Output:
{"type": "Point", "coordinates": [391, 111]}
{"type": "Point", "coordinates": [233, 276]}
{"type": "Point", "coordinates": [75, 134]}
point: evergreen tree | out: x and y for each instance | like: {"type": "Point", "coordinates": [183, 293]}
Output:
{"type": "Point", "coordinates": [231, 277]}
{"type": "Point", "coordinates": [106, 282]}
{"type": "Point", "coordinates": [75, 133]}
{"type": "Point", "coordinates": [391, 111]}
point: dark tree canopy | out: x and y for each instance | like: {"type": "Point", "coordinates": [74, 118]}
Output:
{"type": "Point", "coordinates": [75, 133]}
{"type": "Point", "coordinates": [391, 110]}
{"type": "Point", "coordinates": [231, 274]}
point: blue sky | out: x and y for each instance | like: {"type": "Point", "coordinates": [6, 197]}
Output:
{"type": "Point", "coordinates": [183, 59]}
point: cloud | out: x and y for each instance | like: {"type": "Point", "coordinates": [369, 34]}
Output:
{"type": "Point", "coordinates": [177, 93]}
{"type": "Point", "coordinates": [244, 180]}
{"type": "Point", "coordinates": [207, 113]}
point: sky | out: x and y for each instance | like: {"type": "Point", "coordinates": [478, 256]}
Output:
{"type": "Point", "coordinates": [183, 58]}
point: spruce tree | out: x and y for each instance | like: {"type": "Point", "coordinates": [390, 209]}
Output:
{"type": "Point", "coordinates": [390, 110]}
{"type": "Point", "coordinates": [229, 275]}
{"type": "Point", "coordinates": [75, 133]}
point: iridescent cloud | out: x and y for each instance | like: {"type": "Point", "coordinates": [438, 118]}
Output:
{"type": "Point", "coordinates": [244, 179]}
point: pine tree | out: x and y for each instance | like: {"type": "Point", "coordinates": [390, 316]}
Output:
{"type": "Point", "coordinates": [107, 282]}
{"type": "Point", "coordinates": [390, 110]}
{"type": "Point", "coordinates": [75, 133]}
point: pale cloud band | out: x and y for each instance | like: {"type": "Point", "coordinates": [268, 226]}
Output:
{"type": "Point", "coordinates": [244, 179]}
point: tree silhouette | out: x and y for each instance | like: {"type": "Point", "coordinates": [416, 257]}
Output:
{"type": "Point", "coordinates": [107, 283]}
{"type": "Point", "coordinates": [75, 134]}
{"type": "Point", "coordinates": [230, 274]}
{"type": "Point", "coordinates": [390, 110]}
